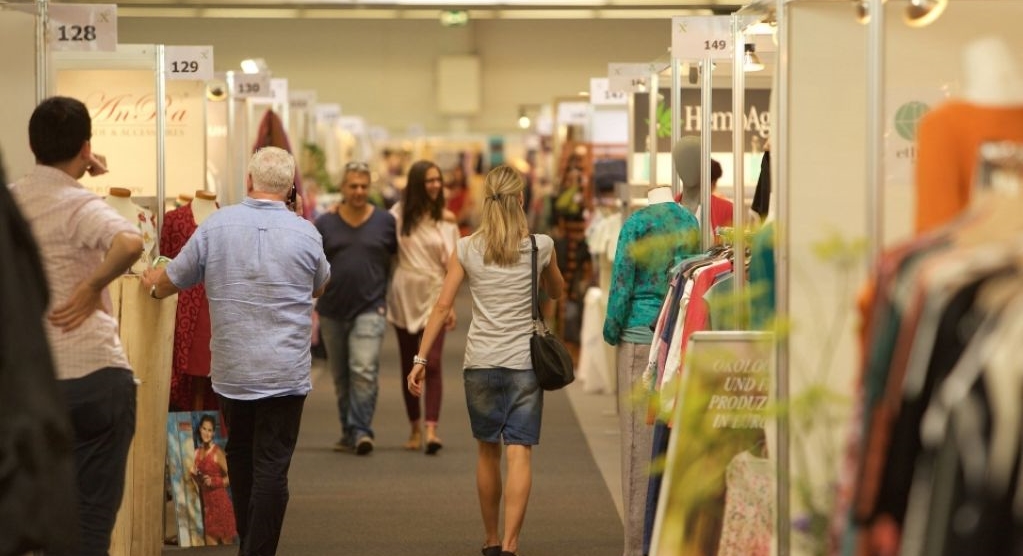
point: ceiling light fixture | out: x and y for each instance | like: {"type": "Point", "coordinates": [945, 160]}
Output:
{"type": "Point", "coordinates": [750, 60]}
{"type": "Point", "coordinates": [254, 65]}
{"type": "Point", "coordinates": [862, 11]}
{"type": "Point", "coordinates": [524, 121]}
{"type": "Point", "coordinates": [921, 13]}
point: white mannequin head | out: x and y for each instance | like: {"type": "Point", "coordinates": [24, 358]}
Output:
{"type": "Point", "coordinates": [991, 74]}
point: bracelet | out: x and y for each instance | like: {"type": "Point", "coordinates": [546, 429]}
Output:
{"type": "Point", "coordinates": [416, 360]}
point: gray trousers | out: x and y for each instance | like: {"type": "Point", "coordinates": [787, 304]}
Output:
{"type": "Point", "coordinates": [637, 439]}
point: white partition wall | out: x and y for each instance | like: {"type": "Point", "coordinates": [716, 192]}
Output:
{"type": "Point", "coordinates": [17, 91]}
{"type": "Point", "coordinates": [823, 196]}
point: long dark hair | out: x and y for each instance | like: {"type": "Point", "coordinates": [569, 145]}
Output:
{"type": "Point", "coordinates": [414, 200]}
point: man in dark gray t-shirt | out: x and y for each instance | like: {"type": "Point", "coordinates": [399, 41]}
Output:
{"type": "Point", "coordinates": [359, 240]}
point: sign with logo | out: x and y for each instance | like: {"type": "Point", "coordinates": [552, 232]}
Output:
{"type": "Point", "coordinates": [123, 107]}
{"type": "Point", "coordinates": [755, 119]}
{"type": "Point", "coordinates": [82, 27]}
{"type": "Point", "coordinates": [905, 107]}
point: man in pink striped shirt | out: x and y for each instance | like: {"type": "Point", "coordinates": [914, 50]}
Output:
{"type": "Point", "coordinates": [84, 245]}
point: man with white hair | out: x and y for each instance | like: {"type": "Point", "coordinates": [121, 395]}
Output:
{"type": "Point", "coordinates": [262, 265]}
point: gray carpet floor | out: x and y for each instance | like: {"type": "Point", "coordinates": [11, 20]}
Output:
{"type": "Point", "coordinates": [394, 501]}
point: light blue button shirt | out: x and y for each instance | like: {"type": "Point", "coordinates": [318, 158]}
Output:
{"type": "Point", "coordinates": [260, 264]}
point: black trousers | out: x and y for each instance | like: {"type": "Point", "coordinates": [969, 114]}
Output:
{"type": "Point", "coordinates": [102, 409]}
{"type": "Point", "coordinates": [261, 440]}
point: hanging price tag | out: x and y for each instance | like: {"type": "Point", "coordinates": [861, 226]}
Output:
{"type": "Point", "coordinates": [628, 78]}
{"type": "Point", "coordinates": [699, 37]}
{"type": "Point", "coordinates": [602, 95]}
{"type": "Point", "coordinates": [193, 63]}
{"type": "Point", "coordinates": [251, 85]}
{"type": "Point", "coordinates": [88, 27]}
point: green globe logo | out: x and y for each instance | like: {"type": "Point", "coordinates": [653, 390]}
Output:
{"type": "Point", "coordinates": [907, 117]}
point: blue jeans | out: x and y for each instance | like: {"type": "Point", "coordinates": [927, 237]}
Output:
{"type": "Point", "coordinates": [353, 355]}
{"type": "Point", "coordinates": [504, 404]}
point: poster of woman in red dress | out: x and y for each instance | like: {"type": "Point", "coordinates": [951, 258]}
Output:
{"type": "Point", "coordinates": [210, 475]}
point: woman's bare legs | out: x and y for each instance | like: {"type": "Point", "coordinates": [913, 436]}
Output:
{"type": "Point", "coordinates": [516, 494]}
{"type": "Point", "coordinates": [488, 486]}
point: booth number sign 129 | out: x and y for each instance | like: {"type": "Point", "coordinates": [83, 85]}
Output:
{"type": "Point", "coordinates": [193, 63]}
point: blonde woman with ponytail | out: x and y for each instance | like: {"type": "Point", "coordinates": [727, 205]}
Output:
{"type": "Point", "coordinates": [505, 403]}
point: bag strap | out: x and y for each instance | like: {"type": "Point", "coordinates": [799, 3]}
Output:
{"type": "Point", "coordinates": [537, 315]}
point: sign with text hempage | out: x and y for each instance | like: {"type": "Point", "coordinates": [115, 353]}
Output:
{"type": "Point", "coordinates": [718, 490]}
{"type": "Point", "coordinates": [755, 119]}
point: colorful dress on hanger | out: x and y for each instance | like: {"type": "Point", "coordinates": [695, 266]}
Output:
{"type": "Point", "coordinates": [192, 330]}
{"type": "Point", "coordinates": [217, 511]}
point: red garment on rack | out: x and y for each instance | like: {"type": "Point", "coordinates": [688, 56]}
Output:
{"type": "Point", "coordinates": [192, 330]}
{"type": "Point", "coordinates": [271, 133]}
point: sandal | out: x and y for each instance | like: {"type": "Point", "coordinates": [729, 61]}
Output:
{"type": "Point", "coordinates": [414, 442]}
{"type": "Point", "coordinates": [491, 550]}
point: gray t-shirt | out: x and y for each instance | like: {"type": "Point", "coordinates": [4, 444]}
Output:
{"type": "Point", "coordinates": [502, 320]}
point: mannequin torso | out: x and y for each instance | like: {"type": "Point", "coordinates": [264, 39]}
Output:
{"type": "Point", "coordinates": [203, 205]}
{"type": "Point", "coordinates": [120, 200]}
{"type": "Point", "coordinates": [949, 137]}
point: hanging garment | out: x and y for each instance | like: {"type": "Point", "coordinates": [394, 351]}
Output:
{"type": "Point", "coordinates": [192, 329]}
{"type": "Point", "coordinates": [593, 370]}
{"type": "Point", "coordinates": [762, 194]}
{"type": "Point", "coordinates": [749, 507]}
{"type": "Point", "coordinates": [948, 141]}
{"type": "Point", "coordinates": [271, 133]}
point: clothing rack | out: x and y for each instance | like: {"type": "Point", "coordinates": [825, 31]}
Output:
{"type": "Point", "coordinates": [942, 384]}
{"type": "Point", "coordinates": [1000, 167]}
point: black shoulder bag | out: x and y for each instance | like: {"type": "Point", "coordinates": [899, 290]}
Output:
{"type": "Point", "coordinates": [551, 361]}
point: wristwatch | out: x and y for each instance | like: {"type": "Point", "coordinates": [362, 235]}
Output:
{"type": "Point", "coordinates": [152, 292]}
{"type": "Point", "coordinates": [416, 360]}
